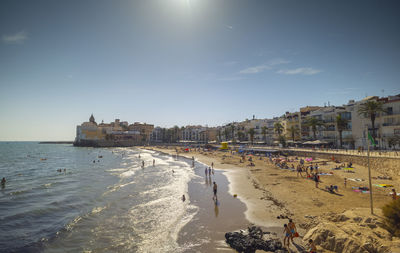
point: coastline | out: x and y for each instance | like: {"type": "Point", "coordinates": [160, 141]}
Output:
{"type": "Point", "coordinates": [268, 192]}
{"type": "Point", "coordinates": [231, 180]}
{"type": "Point", "coordinates": [247, 189]}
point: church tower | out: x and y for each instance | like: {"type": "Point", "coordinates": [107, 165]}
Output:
{"type": "Point", "coordinates": [91, 119]}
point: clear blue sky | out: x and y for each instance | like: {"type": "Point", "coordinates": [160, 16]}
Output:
{"type": "Point", "coordinates": [179, 62]}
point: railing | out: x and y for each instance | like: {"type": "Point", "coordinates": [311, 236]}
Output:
{"type": "Point", "coordinates": [391, 124]}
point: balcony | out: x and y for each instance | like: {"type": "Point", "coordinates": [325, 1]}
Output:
{"type": "Point", "coordinates": [391, 124]}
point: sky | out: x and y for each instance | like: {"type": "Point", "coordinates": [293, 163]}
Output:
{"type": "Point", "coordinates": [185, 62]}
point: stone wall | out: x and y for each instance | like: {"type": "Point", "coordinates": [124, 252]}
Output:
{"type": "Point", "coordinates": [385, 165]}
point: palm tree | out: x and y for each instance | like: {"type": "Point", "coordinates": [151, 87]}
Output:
{"type": "Point", "coordinates": [282, 140]}
{"type": "Point", "coordinates": [240, 135]}
{"type": "Point", "coordinates": [233, 133]}
{"type": "Point", "coordinates": [251, 132]}
{"type": "Point", "coordinates": [176, 133]}
{"type": "Point", "coordinates": [219, 135]}
{"type": "Point", "coordinates": [313, 122]}
{"type": "Point", "coordinates": [278, 128]}
{"type": "Point", "coordinates": [264, 132]}
{"type": "Point", "coordinates": [293, 131]}
{"type": "Point", "coordinates": [226, 133]}
{"type": "Point", "coordinates": [370, 109]}
{"type": "Point", "coordinates": [341, 125]}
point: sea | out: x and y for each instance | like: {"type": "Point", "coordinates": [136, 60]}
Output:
{"type": "Point", "coordinates": [60, 198]}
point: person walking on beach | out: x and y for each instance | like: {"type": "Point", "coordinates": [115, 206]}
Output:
{"type": "Point", "coordinates": [206, 171]}
{"type": "Point", "coordinates": [142, 164]}
{"type": "Point", "coordinates": [299, 170]}
{"type": "Point", "coordinates": [286, 231]}
{"type": "Point", "coordinates": [209, 171]}
{"type": "Point", "coordinates": [215, 190]}
{"type": "Point", "coordinates": [154, 162]}
{"type": "Point", "coordinates": [345, 182]}
{"type": "Point", "coordinates": [316, 180]}
{"type": "Point", "coordinates": [293, 229]}
{"type": "Point", "coordinates": [212, 165]}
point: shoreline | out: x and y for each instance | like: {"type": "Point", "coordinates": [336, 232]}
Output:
{"type": "Point", "coordinates": [247, 189]}
{"type": "Point", "coordinates": [239, 182]}
{"type": "Point", "coordinates": [269, 191]}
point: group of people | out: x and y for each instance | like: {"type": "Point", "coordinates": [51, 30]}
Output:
{"type": "Point", "coordinates": [290, 232]}
{"type": "Point", "coordinates": [209, 171]}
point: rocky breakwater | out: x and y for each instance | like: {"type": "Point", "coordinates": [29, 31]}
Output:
{"type": "Point", "coordinates": [355, 231]}
{"type": "Point", "coordinates": [253, 239]}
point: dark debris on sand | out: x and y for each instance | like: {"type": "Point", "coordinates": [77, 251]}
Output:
{"type": "Point", "coordinates": [252, 240]}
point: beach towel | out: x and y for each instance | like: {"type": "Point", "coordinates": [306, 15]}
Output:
{"type": "Point", "coordinates": [356, 179]}
{"type": "Point", "coordinates": [384, 185]}
{"type": "Point", "coordinates": [357, 190]}
{"type": "Point", "coordinates": [361, 188]}
{"type": "Point", "coordinates": [325, 174]}
{"type": "Point", "coordinates": [309, 159]}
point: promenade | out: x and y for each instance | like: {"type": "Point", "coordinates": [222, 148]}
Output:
{"type": "Point", "coordinates": [352, 152]}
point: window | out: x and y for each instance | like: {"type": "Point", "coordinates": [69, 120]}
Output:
{"type": "Point", "coordinates": [389, 111]}
{"type": "Point", "coordinates": [346, 115]}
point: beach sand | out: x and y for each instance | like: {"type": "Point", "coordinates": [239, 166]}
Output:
{"type": "Point", "coordinates": [269, 192]}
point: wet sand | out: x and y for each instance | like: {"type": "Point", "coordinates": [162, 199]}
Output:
{"type": "Point", "coordinates": [206, 232]}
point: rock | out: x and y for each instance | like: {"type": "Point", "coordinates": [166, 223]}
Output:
{"type": "Point", "coordinates": [252, 241]}
{"type": "Point", "coordinates": [351, 231]}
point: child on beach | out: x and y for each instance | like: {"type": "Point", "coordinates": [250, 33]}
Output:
{"type": "Point", "coordinates": [288, 234]}
{"type": "Point", "coordinates": [292, 228]}
{"type": "Point", "coordinates": [313, 248]}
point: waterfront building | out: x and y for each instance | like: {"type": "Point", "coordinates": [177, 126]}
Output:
{"type": "Point", "coordinates": [116, 133]}
{"type": "Point", "coordinates": [144, 129]}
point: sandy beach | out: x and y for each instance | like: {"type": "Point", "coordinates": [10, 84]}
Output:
{"type": "Point", "coordinates": [269, 192]}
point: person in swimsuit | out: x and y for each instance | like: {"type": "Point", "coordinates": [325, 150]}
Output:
{"type": "Point", "coordinates": [287, 233]}
{"type": "Point", "coordinates": [215, 190]}
{"type": "Point", "coordinates": [313, 248]}
{"type": "Point", "coordinates": [205, 171]}
{"type": "Point", "coordinates": [292, 228]}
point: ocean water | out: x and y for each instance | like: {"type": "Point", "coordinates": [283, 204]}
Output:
{"type": "Point", "coordinates": [103, 202]}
